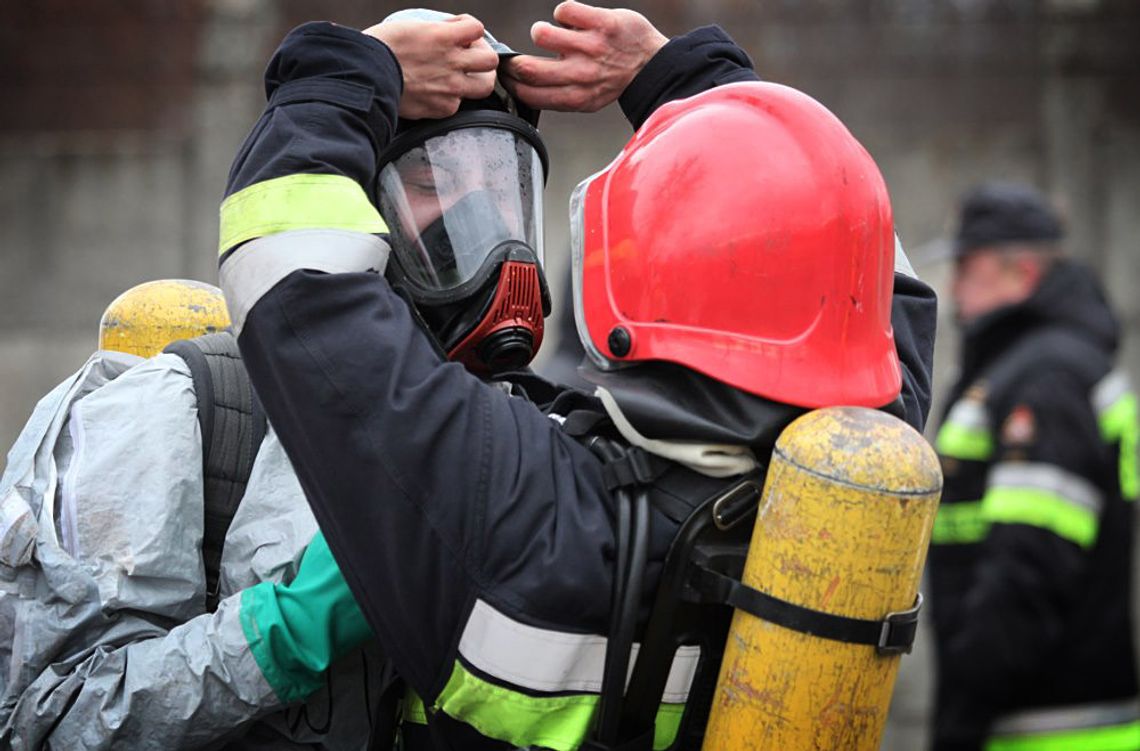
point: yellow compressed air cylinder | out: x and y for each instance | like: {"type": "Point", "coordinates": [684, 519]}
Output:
{"type": "Point", "coordinates": [843, 528]}
{"type": "Point", "coordinates": [149, 316]}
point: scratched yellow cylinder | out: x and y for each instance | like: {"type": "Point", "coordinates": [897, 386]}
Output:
{"type": "Point", "coordinates": [147, 317]}
{"type": "Point", "coordinates": [843, 528]}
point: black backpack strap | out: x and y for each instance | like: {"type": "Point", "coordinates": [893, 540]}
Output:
{"type": "Point", "coordinates": [628, 466]}
{"type": "Point", "coordinates": [233, 425]}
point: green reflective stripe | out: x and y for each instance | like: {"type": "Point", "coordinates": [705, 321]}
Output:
{"type": "Point", "coordinates": [960, 442]}
{"type": "Point", "coordinates": [1120, 422]}
{"type": "Point", "coordinates": [1040, 508]}
{"type": "Point", "coordinates": [555, 722]}
{"type": "Point", "coordinates": [297, 202]}
{"type": "Point", "coordinates": [959, 523]}
{"type": "Point", "coordinates": [414, 710]}
{"type": "Point", "coordinates": [667, 725]}
{"type": "Point", "coordinates": [1114, 738]}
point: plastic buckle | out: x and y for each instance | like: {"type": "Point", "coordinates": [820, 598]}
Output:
{"type": "Point", "coordinates": [899, 629]}
{"type": "Point", "coordinates": [639, 462]}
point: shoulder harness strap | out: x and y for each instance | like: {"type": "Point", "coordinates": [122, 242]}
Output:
{"type": "Point", "coordinates": [233, 425]}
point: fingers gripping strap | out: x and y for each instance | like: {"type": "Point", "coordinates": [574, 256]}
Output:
{"type": "Point", "coordinates": [296, 202]}
{"type": "Point", "coordinates": [252, 271]}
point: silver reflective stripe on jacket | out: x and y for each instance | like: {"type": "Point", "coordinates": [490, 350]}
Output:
{"type": "Point", "coordinates": [1071, 717]}
{"type": "Point", "coordinates": [970, 414]}
{"type": "Point", "coordinates": [1110, 389]}
{"type": "Point", "coordinates": [552, 661]}
{"type": "Point", "coordinates": [1048, 478]}
{"type": "Point", "coordinates": [255, 267]}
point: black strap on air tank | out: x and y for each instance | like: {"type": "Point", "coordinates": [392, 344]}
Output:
{"type": "Point", "coordinates": [233, 425]}
{"type": "Point", "coordinates": [894, 634]}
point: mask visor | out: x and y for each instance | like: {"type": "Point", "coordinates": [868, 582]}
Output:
{"type": "Point", "coordinates": [457, 198]}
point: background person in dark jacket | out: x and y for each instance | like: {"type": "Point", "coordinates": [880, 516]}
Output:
{"type": "Point", "coordinates": [1030, 566]}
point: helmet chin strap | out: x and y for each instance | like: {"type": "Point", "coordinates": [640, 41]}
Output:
{"type": "Point", "coordinates": [510, 331]}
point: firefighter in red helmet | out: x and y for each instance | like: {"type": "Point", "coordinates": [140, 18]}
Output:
{"type": "Point", "coordinates": [735, 267]}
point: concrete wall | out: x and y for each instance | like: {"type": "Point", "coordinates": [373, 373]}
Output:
{"type": "Point", "coordinates": [121, 118]}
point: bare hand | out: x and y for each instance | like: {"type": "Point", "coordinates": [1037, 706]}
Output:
{"type": "Point", "coordinates": [443, 63]}
{"type": "Point", "coordinates": [599, 51]}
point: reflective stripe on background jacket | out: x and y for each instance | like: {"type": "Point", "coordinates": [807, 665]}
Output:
{"type": "Point", "coordinates": [104, 638]}
{"type": "Point", "coordinates": [475, 534]}
{"type": "Point", "coordinates": [1030, 568]}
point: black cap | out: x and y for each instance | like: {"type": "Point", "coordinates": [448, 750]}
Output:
{"type": "Point", "coordinates": [998, 213]}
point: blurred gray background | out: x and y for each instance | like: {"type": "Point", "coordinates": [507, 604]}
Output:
{"type": "Point", "coordinates": [120, 119]}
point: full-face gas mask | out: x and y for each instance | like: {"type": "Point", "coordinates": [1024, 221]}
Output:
{"type": "Point", "coordinates": [462, 198]}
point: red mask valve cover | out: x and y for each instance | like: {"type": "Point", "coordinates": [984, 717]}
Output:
{"type": "Point", "coordinates": [510, 332]}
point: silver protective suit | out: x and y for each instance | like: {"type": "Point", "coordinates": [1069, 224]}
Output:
{"type": "Point", "coordinates": [104, 637]}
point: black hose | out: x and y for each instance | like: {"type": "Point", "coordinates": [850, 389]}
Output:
{"type": "Point", "coordinates": [613, 676]}
{"type": "Point", "coordinates": [623, 620]}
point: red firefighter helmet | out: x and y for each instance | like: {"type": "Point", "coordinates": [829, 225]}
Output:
{"type": "Point", "coordinates": [743, 233]}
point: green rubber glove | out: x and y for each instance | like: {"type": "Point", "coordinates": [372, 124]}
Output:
{"type": "Point", "coordinates": [296, 630]}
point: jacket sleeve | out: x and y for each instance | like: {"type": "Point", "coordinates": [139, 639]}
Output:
{"type": "Point", "coordinates": [708, 57]}
{"type": "Point", "coordinates": [113, 650]}
{"type": "Point", "coordinates": [1044, 510]}
{"type": "Point", "coordinates": [398, 451]}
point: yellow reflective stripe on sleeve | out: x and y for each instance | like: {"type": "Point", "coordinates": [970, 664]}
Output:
{"type": "Point", "coordinates": [1120, 423]}
{"type": "Point", "coordinates": [1113, 738]}
{"type": "Point", "coordinates": [959, 523]}
{"type": "Point", "coordinates": [297, 202]}
{"type": "Point", "coordinates": [1040, 508]}
{"type": "Point", "coordinates": [556, 722]}
{"type": "Point", "coordinates": [960, 442]}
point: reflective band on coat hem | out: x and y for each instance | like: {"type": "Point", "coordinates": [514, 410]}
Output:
{"type": "Point", "coordinates": [258, 265]}
{"type": "Point", "coordinates": [966, 433]}
{"type": "Point", "coordinates": [541, 659]}
{"type": "Point", "coordinates": [297, 202]}
{"type": "Point", "coordinates": [1039, 508]}
{"type": "Point", "coordinates": [1068, 717]}
{"type": "Point", "coordinates": [959, 523]}
{"type": "Point", "coordinates": [1114, 738]}
{"type": "Point", "coordinates": [555, 722]}
{"type": "Point", "coordinates": [1049, 478]}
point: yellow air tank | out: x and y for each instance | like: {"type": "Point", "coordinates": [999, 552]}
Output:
{"type": "Point", "coordinates": [843, 529]}
{"type": "Point", "coordinates": [146, 318]}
